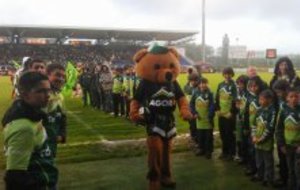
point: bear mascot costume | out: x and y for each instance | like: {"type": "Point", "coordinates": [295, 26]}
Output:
{"type": "Point", "coordinates": [154, 103]}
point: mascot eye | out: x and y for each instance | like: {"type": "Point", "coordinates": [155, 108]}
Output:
{"type": "Point", "coordinates": [156, 66]}
{"type": "Point", "coordinates": [172, 65]}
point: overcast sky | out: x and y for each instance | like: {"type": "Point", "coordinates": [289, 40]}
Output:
{"type": "Point", "coordinates": [259, 24]}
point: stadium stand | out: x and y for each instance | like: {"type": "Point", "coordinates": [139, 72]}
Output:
{"type": "Point", "coordinates": [112, 45]}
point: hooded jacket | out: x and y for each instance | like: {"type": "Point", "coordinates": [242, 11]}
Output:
{"type": "Point", "coordinates": [30, 162]}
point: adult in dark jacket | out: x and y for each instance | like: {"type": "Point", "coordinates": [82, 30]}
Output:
{"type": "Point", "coordinates": [95, 96]}
{"type": "Point", "coordinates": [85, 83]}
{"type": "Point", "coordinates": [284, 70]}
{"type": "Point", "coordinates": [106, 82]}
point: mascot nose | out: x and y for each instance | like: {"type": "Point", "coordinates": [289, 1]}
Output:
{"type": "Point", "coordinates": [169, 76]}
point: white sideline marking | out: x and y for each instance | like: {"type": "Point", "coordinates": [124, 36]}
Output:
{"type": "Point", "coordinates": [77, 118]}
{"type": "Point", "coordinates": [106, 142]}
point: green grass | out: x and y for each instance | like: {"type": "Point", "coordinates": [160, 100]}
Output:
{"type": "Point", "coordinates": [190, 172]}
{"type": "Point", "coordinates": [123, 167]}
{"type": "Point", "coordinates": [99, 125]}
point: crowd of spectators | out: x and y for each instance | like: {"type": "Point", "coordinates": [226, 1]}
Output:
{"type": "Point", "coordinates": [115, 54]}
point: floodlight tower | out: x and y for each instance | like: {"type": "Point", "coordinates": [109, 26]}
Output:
{"type": "Point", "coordinates": [203, 32]}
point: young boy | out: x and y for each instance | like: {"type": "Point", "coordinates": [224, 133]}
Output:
{"type": "Point", "coordinates": [29, 163]}
{"type": "Point", "coordinates": [242, 134]}
{"type": "Point", "coordinates": [262, 133]}
{"type": "Point", "coordinates": [288, 137]}
{"type": "Point", "coordinates": [225, 108]}
{"type": "Point", "coordinates": [55, 122]}
{"type": "Point", "coordinates": [281, 87]}
{"type": "Point", "coordinates": [38, 65]}
{"type": "Point", "coordinates": [190, 87]}
{"type": "Point", "coordinates": [202, 106]}
{"type": "Point", "coordinates": [128, 91]}
{"type": "Point", "coordinates": [35, 65]}
{"type": "Point", "coordinates": [255, 86]}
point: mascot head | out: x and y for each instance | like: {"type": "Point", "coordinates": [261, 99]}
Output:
{"type": "Point", "coordinates": [158, 64]}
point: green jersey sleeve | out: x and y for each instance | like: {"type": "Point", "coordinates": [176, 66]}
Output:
{"type": "Point", "coordinates": [19, 144]}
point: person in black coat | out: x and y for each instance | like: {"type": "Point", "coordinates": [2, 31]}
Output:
{"type": "Point", "coordinates": [85, 82]}
{"type": "Point", "coordinates": [284, 70]}
{"type": "Point", "coordinates": [94, 88]}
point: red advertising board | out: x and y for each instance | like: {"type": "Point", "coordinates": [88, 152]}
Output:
{"type": "Point", "coordinates": [271, 53]}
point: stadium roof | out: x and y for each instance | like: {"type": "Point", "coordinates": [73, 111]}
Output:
{"type": "Point", "coordinates": [94, 33]}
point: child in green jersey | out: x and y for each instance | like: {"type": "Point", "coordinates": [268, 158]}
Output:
{"type": "Point", "coordinates": [255, 86]}
{"type": "Point", "coordinates": [288, 137]}
{"type": "Point", "coordinates": [55, 122]}
{"type": "Point", "coordinates": [190, 87]}
{"type": "Point", "coordinates": [242, 133]}
{"type": "Point", "coordinates": [262, 133]}
{"type": "Point", "coordinates": [117, 93]}
{"type": "Point", "coordinates": [226, 110]}
{"type": "Point", "coordinates": [202, 106]}
{"type": "Point", "coordinates": [28, 156]}
{"type": "Point", "coordinates": [281, 87]}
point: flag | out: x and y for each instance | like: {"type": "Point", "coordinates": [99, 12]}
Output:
{"type": "Point", "coordinates": [16, 64]}
{"type": "Point", "coordinates": [71, 79]}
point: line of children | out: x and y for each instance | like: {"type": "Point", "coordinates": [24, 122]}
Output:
{"type": "Point", "coordinates": [257, 109]}
{"type": "Point", "coordinates": [259, 116]}
{"type": "Point", "coordinates": [109, 91]}
{"type": "Point", "coordinates": [124, 87]}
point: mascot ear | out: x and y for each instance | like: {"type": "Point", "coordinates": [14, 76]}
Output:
{"type": "Point", "coordinates": [139, 55]}
{"type": "Point", "coordinates": [174, 52]}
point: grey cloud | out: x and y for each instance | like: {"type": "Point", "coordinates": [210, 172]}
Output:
{"type": "Point", "coordinates": [188, 12]}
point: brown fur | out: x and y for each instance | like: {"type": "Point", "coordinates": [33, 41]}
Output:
{"type": "Point", "coordinates": [134, 111]}
{"type": "Point", "coordinates": [159, 149]}
{"type": "Point", "coordinates": [184, 109]}
{"type": "Point", "coordinates": [145, 62]}
{"type": "Point", "coordinates": [159, 161]}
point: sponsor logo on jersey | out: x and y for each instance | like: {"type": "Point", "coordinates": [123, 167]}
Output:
{"type": "Point", "coordinates": [162, 103]}
{"type": "Point", "coordinates": [163, 93]}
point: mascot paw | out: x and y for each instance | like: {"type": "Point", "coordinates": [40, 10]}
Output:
{"type": "Point", "coordinates": [136, 117]}
{"type": "Point", "coordinates": [154, 185]}
{"type": "Point", "coordinates": [186, 115]}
